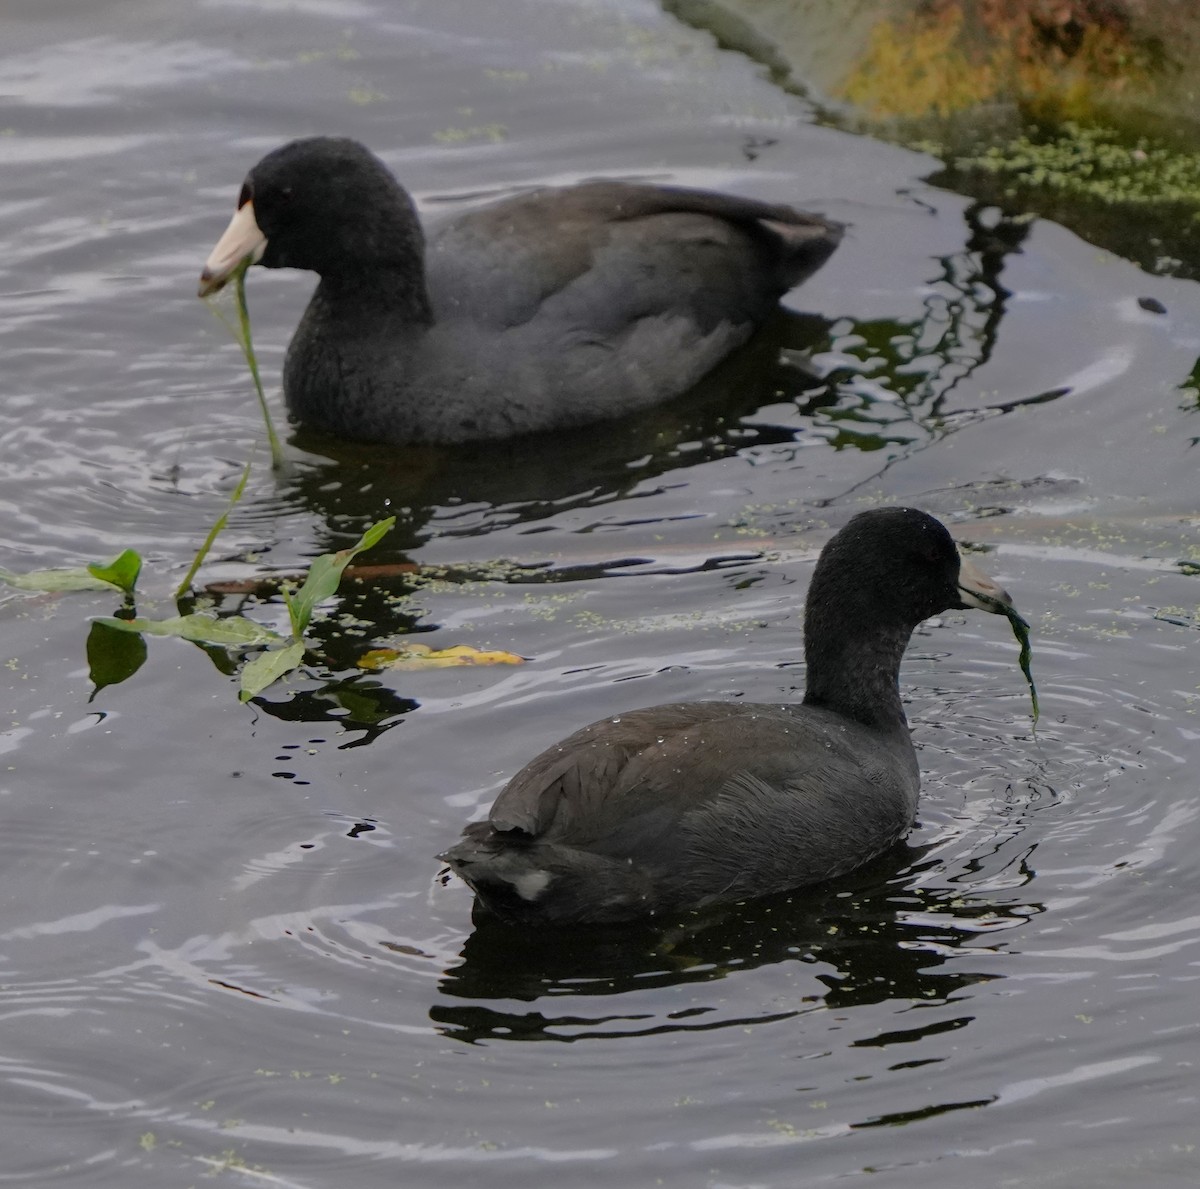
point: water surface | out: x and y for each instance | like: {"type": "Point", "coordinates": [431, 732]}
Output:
{"type": "Point", "coordinates": [227, 953]}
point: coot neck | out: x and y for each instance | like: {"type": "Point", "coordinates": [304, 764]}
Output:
{"type": "Point", "coordinates": [387, 293]}
{"type": "Point", "coordinates": [855, 673]}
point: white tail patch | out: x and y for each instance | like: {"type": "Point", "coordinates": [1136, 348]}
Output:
{"type": "Point", "coordinates": [531, 884]}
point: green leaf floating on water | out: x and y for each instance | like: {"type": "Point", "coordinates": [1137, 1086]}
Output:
{"type": "Point", "coordinates": [122, 571]}
{"type": "Point", "coordinates": [233, 631]}
{"type": "Point", "coordinates": [54, 581]}
{"type": "Point", "coordinates": [324, 577]}
{"type": "Point", "coordinates": [266, 668]}
{"type": "Point", "coordinates": [325, 574]}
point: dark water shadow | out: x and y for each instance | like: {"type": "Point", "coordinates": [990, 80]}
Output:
{"type": "Point", "coordinates": [360, 706]}
{"type": "Point", "coordinates": [861, 933]}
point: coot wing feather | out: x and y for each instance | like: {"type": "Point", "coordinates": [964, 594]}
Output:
{"type": "Point", "coordinates": [606, 253]}
{"type": "Point", "coordinates": [728, 777]}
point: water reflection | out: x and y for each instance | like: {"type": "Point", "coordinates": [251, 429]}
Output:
{"type": "Point", "coordinates": [899, 385]}
{"type": "Point", "coordinates": [360, 706]}
{"type": "Point", "coordinates": [874, 936]}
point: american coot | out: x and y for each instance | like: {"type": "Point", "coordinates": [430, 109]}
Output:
{"type": "Point", "coordinates": [683, 806]}
{"type": "Point", "coordinates": [552, 309]}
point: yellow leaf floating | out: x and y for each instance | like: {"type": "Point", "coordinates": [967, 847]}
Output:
{"type": "Point", "coordinates": [421, 656]}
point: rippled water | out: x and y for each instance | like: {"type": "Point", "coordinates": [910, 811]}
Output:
{"type": "Point", "coordinates": [226, 952]}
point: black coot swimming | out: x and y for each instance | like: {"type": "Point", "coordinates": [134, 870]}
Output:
{"type": "Point", "coordinates": [549, 310]}
{"type": "Point", "coordinates": [678, 807]}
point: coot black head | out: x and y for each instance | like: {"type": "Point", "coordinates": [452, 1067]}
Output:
{"type": "Point", "coordinates": [889, 565]}
{"type": "Point", "coordinates": [326, 204]}
{"type": "Point", "coordinates": [881, 575]}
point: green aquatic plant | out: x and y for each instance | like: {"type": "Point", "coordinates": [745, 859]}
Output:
{"type": "Point", "coordinates": [1020, 628]}
{"type": "Point", "coordinates": [122, 572]}
{"type": "Point", "coordinates": [114, 657]}
{"type": "Point", "coordinates": [1094, 163]}
{"type": "Point", "coordinates": [241, 332]}
{"type": "Point", "coordinates": [1133, 189]}
{"type": "Point", "coordinates": [230, 631]}
{"type": "Point", "coordinates": [281, 654]}
{"type": "Point", "coordinates": [219, 524]}
{"type": "Point", "coordinates": [324, 577]}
